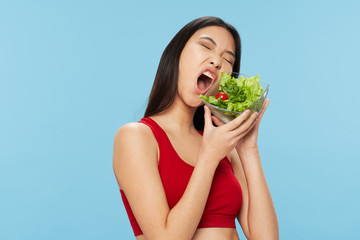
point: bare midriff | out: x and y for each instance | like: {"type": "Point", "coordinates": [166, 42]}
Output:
{"type": "Point", "coordinates": [210, 234]}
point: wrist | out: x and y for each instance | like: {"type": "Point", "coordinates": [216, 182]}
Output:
{"type": "Point", "coordinates": [207, 161]}
{"type": "Point", "coordinates": [241, 150]}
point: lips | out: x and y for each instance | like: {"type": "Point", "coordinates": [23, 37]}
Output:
{"type": "Point", "coordinates": [205, 80]}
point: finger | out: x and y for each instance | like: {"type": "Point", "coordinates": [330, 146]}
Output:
{"type": "Point", "coordinates": [266, 103]}
{"type": "Point", "coordinates": [207, 117]}
{"type": "Point", "coordinates": [217, 121]}
{"type": "Point", "coordinates": [254, 123]}
{"type": "Point", "coordinates": [238, 121]}
{"type": "Point", "coordinates": [245, 132]}
{"type": "Point", "coordinates": [247, 125]}
{"type": "Point", "coordinates": [263, 109]}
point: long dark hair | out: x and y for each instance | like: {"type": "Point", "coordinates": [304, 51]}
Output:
{"type": "Point", "coordinates": [165, 84]}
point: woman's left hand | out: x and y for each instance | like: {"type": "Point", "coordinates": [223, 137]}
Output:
{"type": "Point", "coordinates": [249, 141]}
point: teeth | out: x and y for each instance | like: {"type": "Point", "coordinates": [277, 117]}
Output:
{"type": "Point", "coordinates": [208, 75]}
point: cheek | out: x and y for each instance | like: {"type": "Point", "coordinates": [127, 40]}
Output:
{"type": "Point", "coordinates": [190, 56]}
{"type": "Point", "coordinates": [188, 64]}
{"type": "Point", "coordinates": [183, 91]}
{"type": "Point", "coordinates": [226, 67]}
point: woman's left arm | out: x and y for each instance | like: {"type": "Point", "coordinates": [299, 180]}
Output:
{"type": "Point", "coordinates": [257, 215]}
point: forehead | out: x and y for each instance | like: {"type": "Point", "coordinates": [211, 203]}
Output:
{"type": "Point", "coordinates": [220, 35]}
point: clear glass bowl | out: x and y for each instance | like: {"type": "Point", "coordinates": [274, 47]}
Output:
{"type": "Point", "coordinates": [226, 115]}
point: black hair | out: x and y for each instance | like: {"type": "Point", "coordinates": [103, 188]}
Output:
{"type": "Point", "coordinates": [165, 85]}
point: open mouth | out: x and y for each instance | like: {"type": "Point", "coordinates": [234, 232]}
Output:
{"type": "Point", "coordinates": [204, 82]}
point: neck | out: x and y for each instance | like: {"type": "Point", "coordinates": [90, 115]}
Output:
{"type": "Point", "coordinates": [179, 116]}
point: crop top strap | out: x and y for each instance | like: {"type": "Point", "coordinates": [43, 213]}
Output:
{"type": "Point", "coordinates": [158, 132]}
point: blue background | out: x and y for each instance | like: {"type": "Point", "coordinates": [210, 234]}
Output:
{"type": "Point", "coordinates": [73, 72]}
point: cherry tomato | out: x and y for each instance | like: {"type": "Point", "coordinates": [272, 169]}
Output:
{"type": "Point", "coordinates": [221, 95]}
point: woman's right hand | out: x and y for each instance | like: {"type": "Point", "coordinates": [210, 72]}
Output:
{"type": "Point", "coordinates": [218, 141]}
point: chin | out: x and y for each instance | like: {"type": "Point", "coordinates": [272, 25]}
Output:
{"type": "Point", "coordinates": [192, 101]}
{"type": "Point", "coordinates": [198, 104]}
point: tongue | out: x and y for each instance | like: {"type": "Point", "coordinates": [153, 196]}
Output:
{"type": "Point", "coordinates": [201, 85]}
{"type": "Point", "coordinates": [203, 82]}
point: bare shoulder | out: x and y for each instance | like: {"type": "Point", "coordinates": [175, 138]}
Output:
{"type": "Point", "coordinates": [135, 164]}
{"type": "Point", "coordinates": [134, 135]}
{"type": "Point", "coordinates": [134, 147]}
{"type": "Point", "coordinates": [133, 130]}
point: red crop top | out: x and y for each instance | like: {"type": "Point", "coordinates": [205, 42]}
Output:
{"type": "Point", "coordinates": [225, 195]}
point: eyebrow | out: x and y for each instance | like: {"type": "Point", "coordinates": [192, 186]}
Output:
{"type": "Point", "coordinates": [212, 40]}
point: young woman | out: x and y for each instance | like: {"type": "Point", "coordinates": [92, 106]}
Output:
{"type": "Point", "coordinates": [181, 176]}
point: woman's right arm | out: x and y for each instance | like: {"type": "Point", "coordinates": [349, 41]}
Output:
{"type": "Point", "coordinates": [135, 163]}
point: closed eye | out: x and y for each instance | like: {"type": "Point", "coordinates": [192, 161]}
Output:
{"type": "Point", "coordinates": [228, 61]}
{"type": "Point", "coordinates": [205, 46]}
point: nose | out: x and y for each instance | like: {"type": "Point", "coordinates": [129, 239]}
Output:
{"type": "Point", "coordinates": [216, 61]}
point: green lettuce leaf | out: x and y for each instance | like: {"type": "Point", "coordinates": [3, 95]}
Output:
{"type": "Point", "coordinates": [242, 92]}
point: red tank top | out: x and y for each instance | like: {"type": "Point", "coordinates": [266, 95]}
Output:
{"type": "Point", "coordinates": [225, 196]}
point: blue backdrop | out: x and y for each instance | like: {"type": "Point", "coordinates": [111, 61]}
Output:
{"type": "Point", "coordinates": [73, 72]}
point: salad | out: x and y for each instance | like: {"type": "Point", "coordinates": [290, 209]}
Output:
{"type": "Point", "coordinates": [236, 94]}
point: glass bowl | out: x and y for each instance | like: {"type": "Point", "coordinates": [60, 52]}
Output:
{"type": "Point", "coordinates": [226, 115]}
